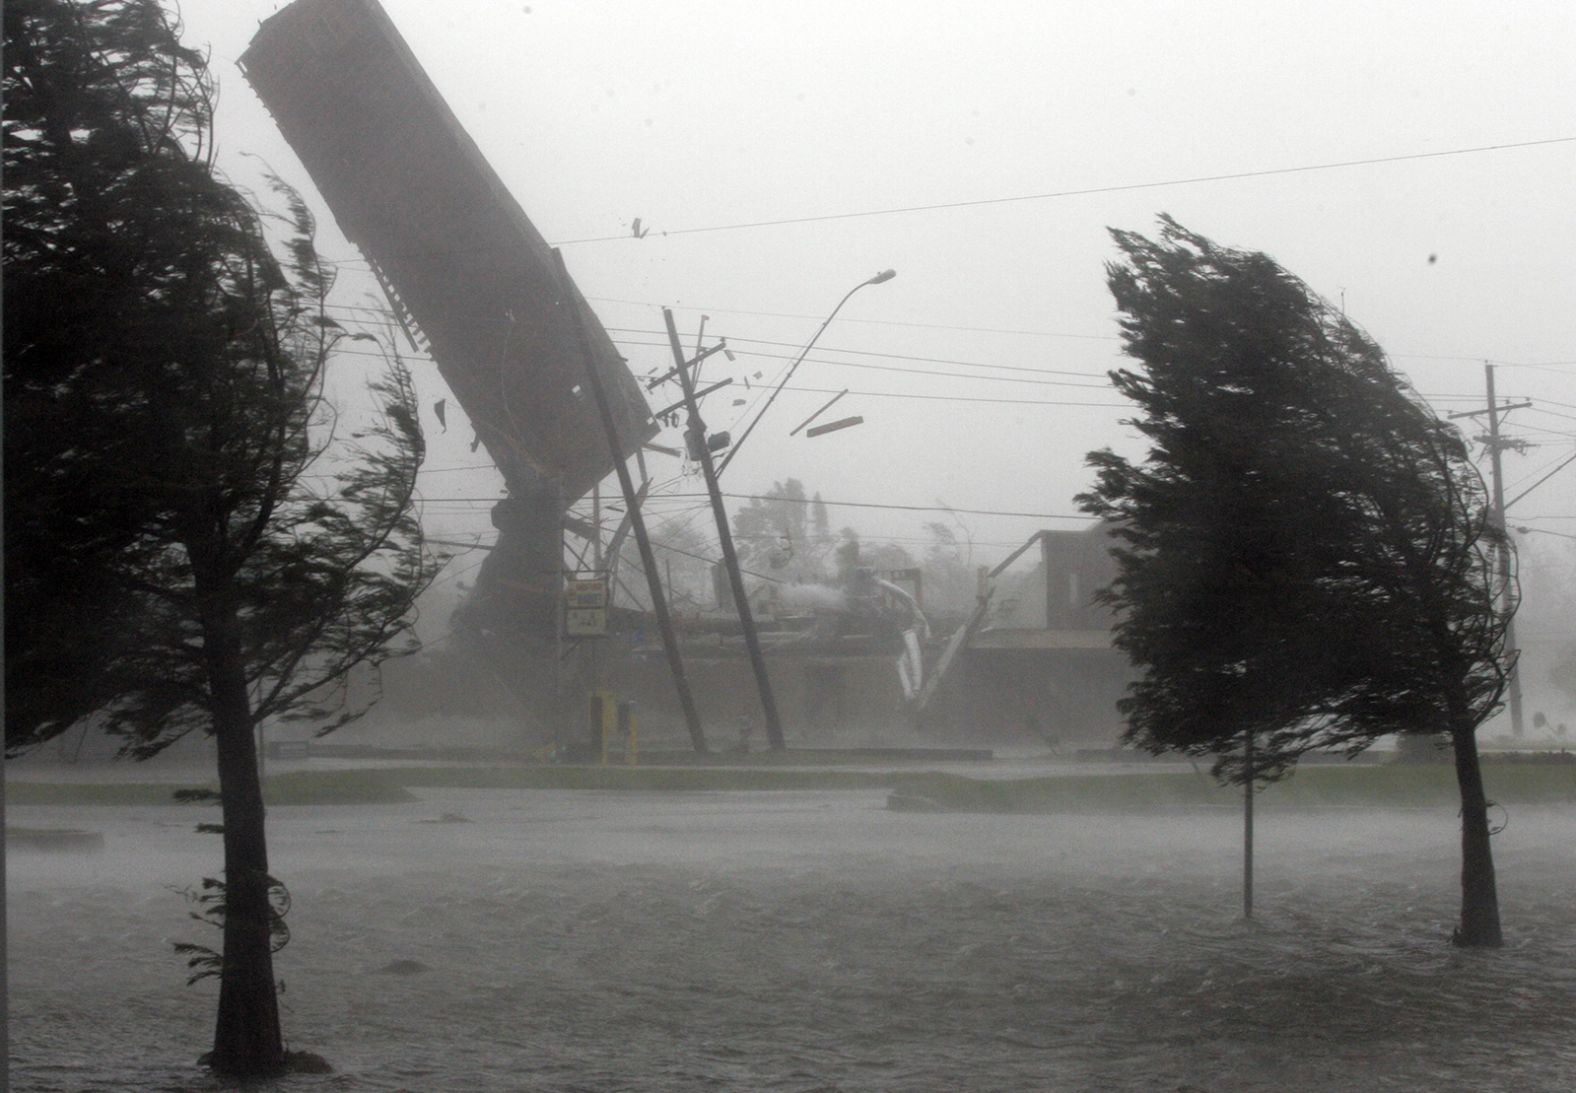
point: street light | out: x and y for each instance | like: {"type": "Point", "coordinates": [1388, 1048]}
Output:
{"type": "Point", "coordinates": [880, 278]}
{"type": "Point", "coordinates": [1541, 531]}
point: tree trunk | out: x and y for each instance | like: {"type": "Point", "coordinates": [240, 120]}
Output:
{"type": "Point", "coordinates": [1479, 897]}
{"type": "Point", "coordinates": [247, 1040]}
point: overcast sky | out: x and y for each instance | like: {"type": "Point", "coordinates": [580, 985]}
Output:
{"type": "Point", "coordinates": [698, 114]}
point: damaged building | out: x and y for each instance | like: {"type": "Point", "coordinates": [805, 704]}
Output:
{"type": "Point", "coordinates": [476, 286]}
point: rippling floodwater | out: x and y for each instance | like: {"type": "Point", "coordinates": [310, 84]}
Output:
{"type": "Point", "coordinates": [810, 941]}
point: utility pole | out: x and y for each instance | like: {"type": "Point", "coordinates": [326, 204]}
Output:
{"type": "Point", "coordinates": [696, 434]}
{"type": "Point", "coordinates": [1495, 445]}
{"type": "Point", "coordinates": [659, 603]}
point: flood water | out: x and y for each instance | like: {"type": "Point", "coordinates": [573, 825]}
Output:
{"type": "Point", "coordinates": [811, 941]}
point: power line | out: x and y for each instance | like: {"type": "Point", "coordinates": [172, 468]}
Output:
{"type": "Point", "coordinates": [1558, 367]}
{"type": "Point", "coordinates": [1126, 187]}
{"type": "Point", "coordinates": [1568, 461]}
{"type": "Point", "coordinates": [1551, 413]}
{"type": "Point", "coordinates": [428, 359]}
{"type": "Point", "coordinates": [868, 322]}
{"type": "Point", "coordinates": [1565, 433]}
{"type": "Point", "coordinates": [1007, 330]}
{"type": "Point", "coordinates": [962, 398]}
{"type": "Point", "coordinates": [900, 508]}
{"type": "Point", "coordinates": [848, 504]}
{"type": "Point", "coordinates": [979, 202]}
{"type": "Point", "coordinates": [923, 371]}
{"type": "Point", "coordinates": [732, 340]}
{"type": "Point", "coordinates": [1553, 366]}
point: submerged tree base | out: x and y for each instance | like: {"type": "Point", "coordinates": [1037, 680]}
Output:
{"type": "Point", "coordinates": [1463, 940]}
{"type": "Point", "coordinates": [294, 1062]}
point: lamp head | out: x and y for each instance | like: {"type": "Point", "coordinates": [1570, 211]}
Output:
{"type": "Point", "coordinates": [884, 275]}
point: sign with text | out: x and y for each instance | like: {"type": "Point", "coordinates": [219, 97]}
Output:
{"type": "Point", "coordinates": [585, 608]}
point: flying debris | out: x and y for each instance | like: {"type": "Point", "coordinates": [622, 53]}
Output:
{"type": "Point", "coordinates": [413, 193]}
{"type": "Point", "coordinates": [827, 406]}
{"type": "Point", "coordinates": [833, 426]}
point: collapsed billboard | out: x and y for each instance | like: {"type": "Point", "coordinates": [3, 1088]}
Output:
{"type": "Point", "coordinates": [467, 273]}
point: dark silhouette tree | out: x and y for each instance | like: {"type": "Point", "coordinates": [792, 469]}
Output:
{"type": "Point", "coordinates": [88, 146]}
{"type": "Point", "coordinates": [1307, 554]}
{"type": "Point", "coordinates": [195, 540]}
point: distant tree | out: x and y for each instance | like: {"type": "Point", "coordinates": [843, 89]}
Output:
{"type": "Point", "coordinates": [773, 533]}
{"type": "Point", "coordinates": [853, 553]}
{"type": "Point", "coordinates": [1563, 674]}
{"type": "Point", "coordinates": [1548, 610]}
{"type": "Point", "coordinates": [170, 455]}
{"type": "Point", "coordinates": [951, 586]}
{"type": "Point", "coordinates": [820, 521]}
{"type": "Point", "coordinates": [1307, 554]}
{"type": "Point", "coordinates": [686, 560]}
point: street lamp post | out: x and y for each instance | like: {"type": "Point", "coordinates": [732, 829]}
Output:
{"type": "Point", "coordinates": [880, 278]}
{"type": "Point", "coordinates": [697, 441]}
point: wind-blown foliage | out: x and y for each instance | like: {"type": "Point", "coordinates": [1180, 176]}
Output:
{"type": "Point", "coordinates": [1307, 552]}
{"type": "Point", "coordinates": [191, 544]}
{"type": "Point", "coordinates": [775, 532]}
{"type": "Point", "coordinates": [103, 122]}
{"type": "Point", "coordinates": [164, 396]}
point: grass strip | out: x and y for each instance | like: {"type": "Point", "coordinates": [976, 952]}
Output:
{"type": "Point", "coordinates": [351, 787]}
{"type": "Point", "coordinates": [1382, 785]}
{"type": "Point", "coordinates": [1387, 786]}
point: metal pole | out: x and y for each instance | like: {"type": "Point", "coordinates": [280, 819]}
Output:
{"type": "Point", "coordinates": [659, 603]}
{"type": "Point", "coordinates": [1504, 551]}
{"type": "Point", "coordinates": [752, 641]}
{"type": "Point", "coordinates": [880, 278]}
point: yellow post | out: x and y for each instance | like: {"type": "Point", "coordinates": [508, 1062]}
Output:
{"type": "Point", "coordinates": [602, 712]}
{"type": "Point", "coordinates": [627, 728]}
{"type": "Point", "coordinates": [607, 708]}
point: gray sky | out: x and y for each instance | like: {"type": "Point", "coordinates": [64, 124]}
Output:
{"type": "Point", "coordinates": [706, 113]}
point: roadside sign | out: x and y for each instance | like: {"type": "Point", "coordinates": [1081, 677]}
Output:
{"type": "Point", "coordinates": [585, 608]}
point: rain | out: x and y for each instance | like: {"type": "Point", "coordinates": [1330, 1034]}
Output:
{"type": "Point", "coordinates": [758, 726]}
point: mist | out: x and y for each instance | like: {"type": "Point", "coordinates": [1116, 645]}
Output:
{"type": "Point", "coordinates": [567, 853]}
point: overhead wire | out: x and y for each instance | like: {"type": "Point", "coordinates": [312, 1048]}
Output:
{"type": "Point", "coordinates": [896, 507]}
{"type": "Point", "coordinates": [851, 504]}
{"type": "Point", "coordinates": [1553, 366]}
{"type": "Point", "coordinates": [1013, 199]}
{"type": "Point", "coordinates": [1082, 192]}
{"type": "Point", "coordinates": [428, 359]}
{"type": "Point", "coordinates": [733, 340]}
{"type": "Point", "coordinates": [1557, 462]}
{"type": "Point", "coordinates": [706, 308]}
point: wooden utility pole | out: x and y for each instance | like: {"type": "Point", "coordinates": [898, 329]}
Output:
{"type": "Point", "coordinates": [659, 603]}
{"type": "Point", "coordinates": [696, 434]}
{"type": "Point", "coordinates": [1495, 446]}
